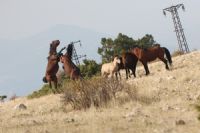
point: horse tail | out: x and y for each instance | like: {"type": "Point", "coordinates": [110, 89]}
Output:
{"type": "Point", "coordinates": [44, 80]}
{"type": "Point", "coordinates": [168, 55]}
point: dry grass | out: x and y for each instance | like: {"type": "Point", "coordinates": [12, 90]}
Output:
{"type": "Point", "coordinates": [163, 102]}
{"type": "Point", "coordinates": [97, 92]}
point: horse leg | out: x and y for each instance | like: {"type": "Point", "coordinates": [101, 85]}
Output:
{"type": "Point", "coordinates": [134, 70]}
{"type": "Point", "coordinates": [146, 67]}
{"type": "Point", "coordinates": [55, 83]}
{"type": "Point", "coordinates": [165, 61]}
{"type": "Point", "coordinates": [126, 73]}
{"type": "Point", "coordinates": [50, 86]}
{"type": "Point", "coordinates": [116, 73]}
{"type": "Point", "coordinates": [129, 73]}
{"type": "Point", "coordinates": [119, 74]}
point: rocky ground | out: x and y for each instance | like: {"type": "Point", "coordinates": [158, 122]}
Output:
{"type": "Point", "coordinates": [165, 103]}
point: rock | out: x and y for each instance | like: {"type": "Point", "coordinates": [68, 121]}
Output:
{"type": "Point", "coordinates": [171, 78]}
{"type": "Point", "coordinates": [69, 120]}
{"type": "Point", "coordinates": [20, 107]}
{"type": "Point", "coordinates": [180, 122]}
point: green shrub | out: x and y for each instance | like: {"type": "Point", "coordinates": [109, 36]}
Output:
{"type": "Point", "coordinates": [90, 68]}
{"type": "Point", "coordinates": [45, 90]}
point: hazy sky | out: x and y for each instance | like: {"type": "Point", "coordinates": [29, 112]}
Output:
{"type": "Point", "coordinates": [22, 18]}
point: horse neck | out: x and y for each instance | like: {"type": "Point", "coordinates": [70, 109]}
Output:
{"type": "Point", "coordinates": [114, 63]}
{"type": "Point", "coordinates": [69, 65]}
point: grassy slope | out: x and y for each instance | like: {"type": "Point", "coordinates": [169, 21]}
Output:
{"type": "Point", "coordinates": [163, 99]}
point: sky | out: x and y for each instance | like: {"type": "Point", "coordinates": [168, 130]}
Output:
{"type": "Point", "coordinates": [24, 18]}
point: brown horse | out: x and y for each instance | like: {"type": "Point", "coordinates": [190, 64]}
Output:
{"type": "Point", "coordinates": [150, 54]}
{"type": "Point", "coordinates": [69, 67]}
{"type": "Point", "coordinates": [129, 61]}
{"type": "Point", "coordinates": [52, 65]}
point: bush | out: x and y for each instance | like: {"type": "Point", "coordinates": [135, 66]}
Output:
{"type": "Point", "coordinates": [177, 53]}
{"type": "Point", "coordinates": [97, 92]}
{"type": "Point", "coordinates": [198, 109]}
{"type": "Point", "coordinates": [45, 90]}
{"type": "Point", "coordinates": [90, 68]}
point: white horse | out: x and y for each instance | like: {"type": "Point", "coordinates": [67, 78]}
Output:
{"type": "Point", "coordinates": [110, 68]}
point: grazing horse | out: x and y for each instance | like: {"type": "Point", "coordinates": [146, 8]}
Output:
{"type": "Point", "coordinates": [69, 67]}
{"type": "Point", "coordinates": [110, 68]}
{"type": "Point", "coordinates": [150, 54]}
{"type": "Point", "coordinates": [129, 60]}
{"type": "Point", "coordinates": [52, 65]}
{"type": "Point", "coordinates": [120, 66]}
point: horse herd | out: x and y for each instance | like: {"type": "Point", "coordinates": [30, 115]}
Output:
{"type": "Point", "coordinates": [127, 61]}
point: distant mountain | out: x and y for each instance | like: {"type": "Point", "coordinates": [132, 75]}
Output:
{"type": "Point", "coordinates": [23, 61]}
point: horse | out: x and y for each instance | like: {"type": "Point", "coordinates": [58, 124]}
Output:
{"type": "Point", "coordinates": [121, 67]}
{"type": "Point", "coordinates": [69, 67]}
{"type": "Point", "coordinates": [150, 54]}
{"type": "Point", "coordinates": [129, 61]}
{"type": "Point", "coordinates": [52, 65]}
{"type": "Point", "coordinates": [110, 68]}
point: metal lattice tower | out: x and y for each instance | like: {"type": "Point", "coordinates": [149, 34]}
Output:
{"type": "Point", "coordinates": [178, 27]}
{"type": "Point", "coordinates": [76, 57]}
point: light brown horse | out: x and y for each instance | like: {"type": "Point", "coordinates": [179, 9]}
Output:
{"type": "Point", "coordinates": [52, 65]}
{"type": "Point", "coordinates": [110, 68]}
{"type": "Point", "coordinates": [69, 67]}
{"type": "Point", "coordinates": [150, 54]}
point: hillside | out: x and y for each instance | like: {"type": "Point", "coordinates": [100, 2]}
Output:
{"type": "Point", "coordinates": [165, 104]}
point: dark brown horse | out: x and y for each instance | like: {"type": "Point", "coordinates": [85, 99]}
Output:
{"type": "Point", "coordinates": [150, 54]}
{"type": "Point", "coordinates": [129, 61]}
{"type": "Point", "coordinates": [52, 65]}
{"type": "Point", "coordinates": [69, 67]}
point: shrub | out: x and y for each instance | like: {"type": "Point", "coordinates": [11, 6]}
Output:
{"type": "Point", "coordinates": [97, 92]}
{"type": "Point", "coordinates": [90, 68]}
{"type": "Point", "coordinates": [45, 90]}
{"type": "Point", "coordinates": [198, 109]}
{"type": "Point", "coordinates": [177, 53]}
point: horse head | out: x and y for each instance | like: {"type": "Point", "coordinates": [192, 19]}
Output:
{"type": "Point", "coordinates": [53, 46]}
{"type": "Point", "coordinates": [65, 58]}
{"type": "Point", "coordinates": [135, 50]}
{"type": "Point", "coordinates": [116, 60]}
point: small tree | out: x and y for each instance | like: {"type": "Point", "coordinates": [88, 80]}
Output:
{"type": "Point", "coordinates": [111, 47]}
{"type": "Point", "coordinates": [89, 68]}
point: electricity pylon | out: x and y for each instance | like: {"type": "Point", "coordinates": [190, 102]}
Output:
{"type": "Point", "coordinates": [178, 27]}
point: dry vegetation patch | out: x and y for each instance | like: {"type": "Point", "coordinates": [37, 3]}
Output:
{"type": "Point", "coordinates": [97, 92]}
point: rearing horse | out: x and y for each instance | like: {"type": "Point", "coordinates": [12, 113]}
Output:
{"type": "Point", "coordinates": [150, 54]}
{"type": "Point", "coordinates": [69, 67]}
{"type": "Point", "coordinates": [52, 65]}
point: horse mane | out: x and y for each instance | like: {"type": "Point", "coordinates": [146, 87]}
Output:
{"type": "Point", "coordinates": [70, 50]}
